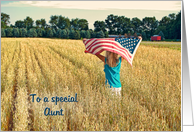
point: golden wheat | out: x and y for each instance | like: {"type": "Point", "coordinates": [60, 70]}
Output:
{"type": "Point", "coordinates": [151, 90]}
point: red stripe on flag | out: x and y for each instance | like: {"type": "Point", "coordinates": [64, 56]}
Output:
{"type": "Point", "coordinates": [124, 51]}
{"type": "Point", "coordinates": [88, 46]}
{"type": "Point", "coordinates": [86, 42]}
{"type": "Point", "coordinates": [112, 43]}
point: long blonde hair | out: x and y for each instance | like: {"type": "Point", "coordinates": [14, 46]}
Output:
{"type": "Point", "coordinates": [112, 58]}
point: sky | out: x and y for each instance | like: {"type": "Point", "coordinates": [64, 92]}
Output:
{"type": "Point", "coordinates": [89, 10]}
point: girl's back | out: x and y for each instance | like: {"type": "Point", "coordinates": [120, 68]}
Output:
{"type": "Point", "coordinates": [112, 74]}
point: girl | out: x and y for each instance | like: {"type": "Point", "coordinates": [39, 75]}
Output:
{"type": "Point", "coordinates": [112, 65]}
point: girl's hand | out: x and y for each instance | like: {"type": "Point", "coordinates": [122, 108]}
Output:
{"type": "Point", "coordinates": [84, 39]}
{"type": "Point", "coordinates": [86, 51]}
{"type": "Point", "coordinates": [139, 37]}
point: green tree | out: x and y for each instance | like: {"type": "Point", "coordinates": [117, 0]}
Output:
{"type": "Point", "coordinates": [15, 32]}
{"type": "Point", "coordinates": [40, 32]}
{"type": "Point", "coordinates": [76, 35]}
{"type": "Point", "coordinates": [53, 21]}
{"type": "Point", "coordinates": [68, 32]}
{"type": "Point", "coordinates": [172, 16]}
{"type": "Point", "coordinates": [82, 24]}
{"type": "Point", "coordinates": [110, 23]}
{"type": "Point", "coordinates": [3, 34]}
{"type": "Point", "coordinates": [170, 26]}
{"type": "Point", "coordinates": [60, 22]}
{"type": "Point", "coordinates": [23, 32]}
{"type": "Point", "coordinates": [5, 18]}
{"type": "Point", "coordinates": [72, 34]}
{"type": "Point", "coordinates": [88, 34]}
{"type": "Point", "coordinates": [144, 37]}
{"type": "Point", "coordinates": [20, 24]}
{"type": "Point", "coordinates": [64, 34]}
{"type": "Point", "coordinates": [47, 27]}
{"type": "Point", "coordinates": [83, 34]}
{"type": "Point", "coordinates": [92, 33]}
{"type": "Point", "coordinates": [161, 34]}
{"type": "Point", "coordinates": [54, 32]}
{"type": "Point", "coordinates": [100, 34]}
{"type": "Point", "coordinates": [38, 23]}
{"type": "Point", "coordinates": [12, 26]}
{"type": "Point", "coordinates": [58, 34]}
{"type": "Point", "coordinates": [63, 23]}
{"type": "Point", "coordinates": [126, 26]}
{"type": "Point", "coordinates": [164, 21]}
{"type": "Point", "coordinates": [174, 27]}
{"type": "Point", "coordinates": [149, 25]}
{"type": "Point", "coordinates": [9, 32]}
{"type": "Point", "coordinates": [3, 25]}
{"type": "Point", "coordinates": [136, 23]}
{"type": "Point", "coordinates": [49, 33]}
{"type": "Point", "coordinates": [43, 23]}
{"type": "Point", "coordinates": [118, 24]}
{"type": "Point", "coordinates": [177, 26]}
{"type": "Point", "coordinates": [161, 28]}
{"type": "Point", "coordinates": [99, 25]}
{"type": "Point", "coordinates": [74, 24]}
{"type": "Point", "coordinates": [32, 33]}
{"type": "Point", "coordinates": [28, 22]}
{"type": "Point", "coordinates": [106, 34]}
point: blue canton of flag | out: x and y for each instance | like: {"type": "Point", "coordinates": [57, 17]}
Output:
{"type": "Point", "coordinates": [130, 44]}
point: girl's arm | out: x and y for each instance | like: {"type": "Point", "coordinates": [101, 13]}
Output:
{"type": "Point", "coordinates": [102, 58]}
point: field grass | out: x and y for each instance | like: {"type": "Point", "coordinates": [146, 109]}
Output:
{"type": "Point", "coordinates": [170, 45]}
{"type": "Point", "coordinates": [151, 90]}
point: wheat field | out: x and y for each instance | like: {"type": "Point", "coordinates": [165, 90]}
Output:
{"type": "Point", "coordinates": [151, 90]}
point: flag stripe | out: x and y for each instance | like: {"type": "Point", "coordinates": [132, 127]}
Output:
{"type": "Point", "coordinates": [114, 44]}
{"type": "Point", "coordinates": [114, 48]}
{"type": "Point", "coordinates": [88, 44]}
{"type": "Point", "coordinates": [126, 47]}
{"type": "Point", "coordinates": [104, 41]}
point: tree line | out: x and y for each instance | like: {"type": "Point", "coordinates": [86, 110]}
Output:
{"type": "Point", "coordinates": [169, 27]}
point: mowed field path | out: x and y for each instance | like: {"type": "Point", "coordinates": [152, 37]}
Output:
{"type": "Point", "coordinates": [151, 90]}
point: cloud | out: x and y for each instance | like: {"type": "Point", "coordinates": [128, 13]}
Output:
{"type": "Point", "coordinates": [100, 5]}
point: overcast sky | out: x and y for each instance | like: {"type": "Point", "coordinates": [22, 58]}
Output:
{"type": "Point", "coordinates": [90, 10]}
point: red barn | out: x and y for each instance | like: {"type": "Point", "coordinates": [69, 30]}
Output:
{"type": "Point", "coordinates": [156, 38]}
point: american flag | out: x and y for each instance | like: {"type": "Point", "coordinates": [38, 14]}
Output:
{"type": "Point", "coordinates": [125, 47]}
